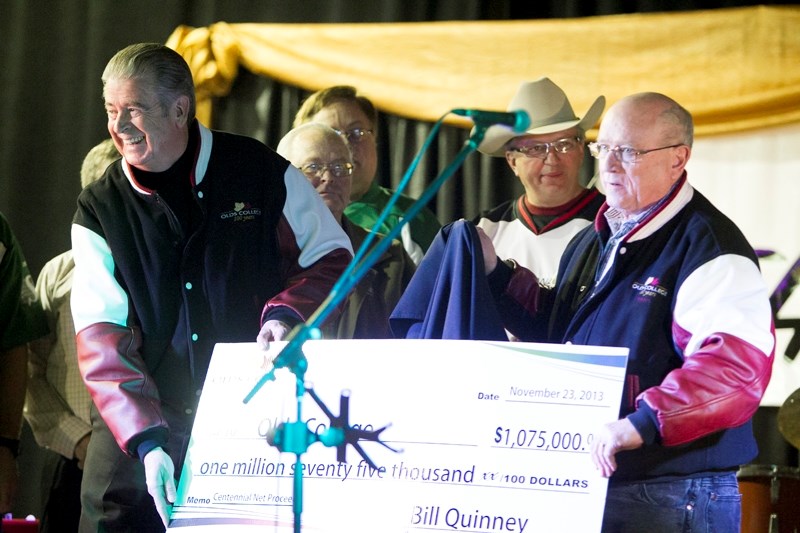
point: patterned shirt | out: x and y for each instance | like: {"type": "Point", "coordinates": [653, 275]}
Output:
{"type": "Point", "coordinates": [57, 403]}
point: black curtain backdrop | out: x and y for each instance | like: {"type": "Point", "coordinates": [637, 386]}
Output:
{"type": "Point", "coordinates": [51, 109]}
{"type": "Point", "coordinates": [51, 114]}
{"type": "Point", "coordinates": [264, 109]}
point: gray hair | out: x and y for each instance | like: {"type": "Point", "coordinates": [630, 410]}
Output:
{"type": "Point", "coordinates": [674, 115]}
{"type": "Point", "coordinates": [678, 115]}
{"type": "Point", "coordinates": [97, 160]}
{"type": "Point", "coordinates": [160, 65]}
{"type": "Point", "coordinates": [286, 144]}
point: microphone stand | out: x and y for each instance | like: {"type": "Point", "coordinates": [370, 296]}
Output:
{"type": "Point", "coordinates": [295, 437]}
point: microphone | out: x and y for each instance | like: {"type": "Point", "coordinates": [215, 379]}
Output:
{"type": "Point", "coordinates": [517, 120]}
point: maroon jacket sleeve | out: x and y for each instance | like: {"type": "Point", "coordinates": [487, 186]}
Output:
{"type": "Point", "coordinates": [306, 288]}
{"type": "Point", "coordinates": [730, 373]}
{"type": "Point", "coordinates": [109, 358]}
{"type": "Point", "coordinates": [521, 302]}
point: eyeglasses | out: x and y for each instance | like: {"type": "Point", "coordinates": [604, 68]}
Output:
{"type": "Point", "coordinates": [316, 170]}
{"type": "Point", "coordinates": [354, 136]}
{"type": "Point", "coordinates": [540, 150]}
{"type": "Point", "coordinates": [624, 154]}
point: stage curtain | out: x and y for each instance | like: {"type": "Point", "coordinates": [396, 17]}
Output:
{"type": "Point", "coordinates": [735, 69]}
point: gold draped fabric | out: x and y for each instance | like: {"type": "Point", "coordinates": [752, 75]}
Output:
{"type": "Point", "coordinates": [733, 69]}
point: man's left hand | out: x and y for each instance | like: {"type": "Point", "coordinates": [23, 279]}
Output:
{"type": "Point", "coordinates": [612, 438]}
{"type": "Point", "coordinates": [272, 330]}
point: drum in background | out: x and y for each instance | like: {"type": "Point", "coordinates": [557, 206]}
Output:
{"type": "Point", "coordinates": [770, 498]}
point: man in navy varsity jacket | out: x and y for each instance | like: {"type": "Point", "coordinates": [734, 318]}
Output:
{"type": "Point", "coordinates": [666, 274]}
{"type": "Point", "coordinates": [194, 237]}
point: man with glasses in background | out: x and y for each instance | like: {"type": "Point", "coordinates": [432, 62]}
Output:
{"type": "Point", "coordinates": [547, 158]}
{"type": "Point", "coordinates": [667, 275]}
{"type": "Point", "coordinates": [354, 117]}
{"type": "Point", "coordinates": [325, 159]}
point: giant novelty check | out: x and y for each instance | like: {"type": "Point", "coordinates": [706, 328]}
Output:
{"type": "Point", "coordinates": [489, 437]}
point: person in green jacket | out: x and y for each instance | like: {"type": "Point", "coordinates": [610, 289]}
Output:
{"type": "Point", "coordinates": [355, 118]}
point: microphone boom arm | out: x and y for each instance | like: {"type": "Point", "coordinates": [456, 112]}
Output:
{"type": "Point", "coordinates": [294, 437]}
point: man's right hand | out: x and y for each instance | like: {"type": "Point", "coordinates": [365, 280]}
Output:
{"type": "Point", "coordinates": [159, 472]}
{"type": "Point", "coordinates": [80, 450]}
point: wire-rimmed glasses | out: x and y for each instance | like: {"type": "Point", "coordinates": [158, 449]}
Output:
{"type": "Point", "coordinates": [354, 136]}
{"type": "Point", "coordinates": [316, 170]}
{"type": "Point", "coordinates": [624, 154]}
{"type": "Point", "coordinates": [540, 150]}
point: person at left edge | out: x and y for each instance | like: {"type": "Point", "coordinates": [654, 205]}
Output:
{"type": "Point", "coordinates": [195, 237]}
{"type": "Point", "coordinates": [21, 321]}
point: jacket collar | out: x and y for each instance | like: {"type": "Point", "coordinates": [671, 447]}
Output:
{"type": "Point", "coordinates": [677, 199]}
{"type": "Point", "coordinates": [206, 140]}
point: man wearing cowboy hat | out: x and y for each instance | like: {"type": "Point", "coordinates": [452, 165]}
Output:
{"type": "Point", "coordinates": [536, 227]}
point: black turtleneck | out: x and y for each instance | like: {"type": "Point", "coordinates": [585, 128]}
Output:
{"type": "Point", "coordinates": [174, 185]}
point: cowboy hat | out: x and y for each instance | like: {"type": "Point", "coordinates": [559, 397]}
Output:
{"type": "Point", "coordinates": [549, 111]}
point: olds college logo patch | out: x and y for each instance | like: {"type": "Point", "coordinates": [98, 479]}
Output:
{"type": "Point", "coordinates": [650, 288]}
{"type": "Point", "coordinates": [241, 212]}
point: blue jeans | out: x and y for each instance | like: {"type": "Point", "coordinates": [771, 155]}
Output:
{"type": "Point", "coordinates": [698, 505]}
